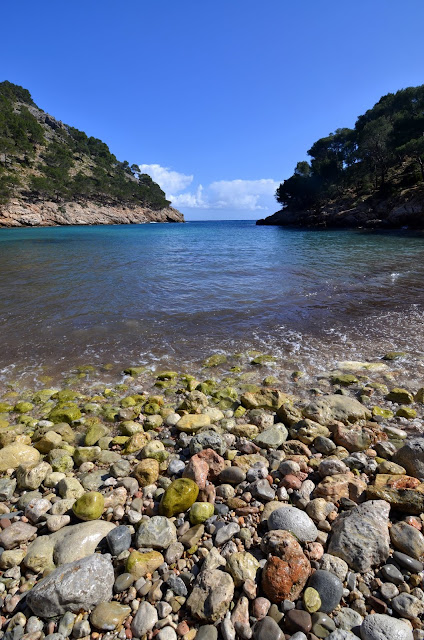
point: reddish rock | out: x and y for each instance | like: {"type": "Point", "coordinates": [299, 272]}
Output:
{"type": "Point", "coordinates": [182, 628]}
{"type": "Point", "coordinates": [291, 482]}
{"type": "Point", "coordinates": [261, 607]}
{"type": "Point", "coordinates": [341, 485]}
{"type": "Point", "coordinates": [205, 465]}
{"type": "Point", "coordinates": [296, 448]}
{"type": "Point", "coordinates": [284, 581]}
{"type": "Point", "coordinates": [353, 438]}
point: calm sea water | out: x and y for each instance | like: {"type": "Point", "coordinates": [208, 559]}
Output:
{"type": "Point", "coordinates": [174, 294]}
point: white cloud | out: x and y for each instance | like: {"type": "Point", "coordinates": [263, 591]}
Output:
{"type": "Point", "coordinates": [170, 181]}
{"type": "Point", "coordinates": [247, 195]}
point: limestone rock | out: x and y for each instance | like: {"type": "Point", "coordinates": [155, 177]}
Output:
{"type": "Point", "coordinates": [336, 408]}
{"type": "Point", "coordinates": [212, 595]}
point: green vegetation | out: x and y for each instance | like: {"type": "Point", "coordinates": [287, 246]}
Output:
{"type": "Point", "coordinates": [380, 158]}
{"type": "Point", "coordinates": [42, 158]}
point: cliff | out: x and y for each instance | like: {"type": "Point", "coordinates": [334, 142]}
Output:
{"type": "Point", "coordinates": [54, 174]}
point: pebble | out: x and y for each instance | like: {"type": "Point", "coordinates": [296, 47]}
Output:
{"type": "Point", "coordinates": [119, 540]}
{"type": "Point", "coordinates": [329, 588]}
{"type": "Point", "coordinates": [383, 627]}
{"type": "Point", "coordinates": [294, 520]}
{"type": "Point", "coordinates": [267, 629]}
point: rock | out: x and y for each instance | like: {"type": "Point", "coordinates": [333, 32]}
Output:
{"type": "Point", "coordinates": [294, 520]}
{"type": "Point", "coordinates": [107, 616]}
{"type": "Point", "coordinates": [200, 512]}
{"type": "Point", "coordinates": [204, 466]}
{"type": "Point", "coordinates": [36, 509]}
{"type": "Point", "coordinates": [408, 606]}
{"type": "Point", "coordinates": [231, 475]}
{"type": "Point", "coordinates": [401, 396]}
{"type": "Point", "coordinates": [208, 440]}
{"type": "Point", "coordinates": [322, 625]}
{"type": "Point", "coordinates": [412, 565]}
{"type": "Point", "coordinates": [242, 566]}
{"type": "Point", "coordinates": [407, 539]}
{"type": "Point", "coordinates": [348, 618]}
{"type": "Point", "coordinates": [225, 533]}
{"type": "Point", "coordinates": [178, 497]}
{"type": "Point", "coordinates": [361, 536]}
{"type": "Point", "coordinates": [298, 620]}
{"type": "Point", "coordinates": [140, 564]}
{"type": "Point", "coordinates": [192, 536]}
{"type": "Point", "coordinates": [32, 477]}
{"type": "Point", "coordinates": [157, 533]}
{"type": "Point", "coordinates": [311, 600]}
{"type": "Point", "coordinates": [17, 533]}
{"type": "Point", "coordinates": [7, 488]}
{"type": "Point", "coordinates": [16, 454]}
{"type": "Point", "coordinates": [343, 485]}
{"type": "Point", "coordinates": [211, 596]}
{"type": "Point", "coordinates": [404, 493]}
{"type": "Point", "coordinates": [272, 438]}
{"type": "Point", "coordinates": [329, 588]}
{"type": "Point", "coordinates": [191, 423]}
{"type": "Point", "coordinates": [382, 627]}
{"type": "Point", "coordinates": [147, 472]}
{"type": "Point", "coordinates": [284, 580]}
{"type": "Point", "coordinates": [265, 399]}
{"type": "Point", "coordinates": [89, 506]}
{"type": "Point", "coordinates": [267, 629]}
{"type": "Point", "coordinates": [336, 408]}
{"type": "Point", "coordinates": [411, 457]}
{"type": "Point", "coordinates": [65, 412]}
{"type": "Point", "coordinates": [144, 620]}
{"type": "Point", "coordinates": [70, 488]}
{"type": "Point", "coordinates": [78, 585]}
{"type": "Point", "coordinates": [119, 540]}
{"type": "Point", "coordinates": [334, 564]}
{"type": "Point", "coordinates": [207, 632]}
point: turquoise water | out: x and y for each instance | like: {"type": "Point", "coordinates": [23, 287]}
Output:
{"type": "Point", "coordinates": [174, 294]}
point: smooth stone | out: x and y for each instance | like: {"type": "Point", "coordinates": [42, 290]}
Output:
{"type": "Point", "coordinates": [78, 585]}
{"type": "Point", "coordinates": [18, 532]}
{"type": "Point", "coordinates": [407, 539]}
{"type": "Point", "coordinates": [295, 521]}
{"type": "Point", "coordinates": [311, 600]}
{"type": "Point", "coordinates": [298, 620]}
{"type": "Point", "coordinates": [407, 562]}
{"type": "Point", "coordinates": [262, 490]}
{"type": "Point", "coordinates": [178, 497]}
{"type": "Point", "coordinates": [16, 454]}
{"type": "Point", "coordinates": [348, 618]}
{"type": "Point", "coordinates": [272, 438]}
{"type": "Point", "coordinates": [408, 606]}
{"type": "Point", "coordinates": [144, 620]}
{"type": "Point", "coordinates": [89, 506]}
{"type": "Point", "coordinates": [392, 573]}
{"type": "Point", "coordinates": [322, 624]}
{"type": "Point", "coordinates": [267, 629]}
{"type": "Point", "coordinates": [329, 587]}
{"type": "Point", "coordinates": [207, 632]}
{"type": "Point", "coordinates": [231, 475]}
{"type": "Point", "coordinates": [157, 533]}
{"type": "Point", "coordinates": [119, 540]}
{"type": "Point", "coordinates": [411, 457]}
{"type": "Point", "coordinates": [107, 616]}
{"type": "Point", "coordinates": [140, 564]}
{"type": "Point", "coordinates": [7, 488]}
{"type": "Point", "coordinates": [383, 627]}
{"type": "Point", "coordinates": [200, 512]}
{"type": "Point", "coordinates": [242, 566]}
{"type": "Point", "coordinates": [190, 423]}
{"type": "Point", "coordinates": [123, 582]}
{"type": "Point", "coordinates": [225, 533]}
{"type": "Point", "coordinates": [341, 634]}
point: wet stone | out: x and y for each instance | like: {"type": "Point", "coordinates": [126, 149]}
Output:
{"type": "Point", "coordinates": [231, 475]}
{"type": "Point", "coordinates": [207, 632]}
{"type": "Point", "coordinates": [119, 539]}
{"type": "Point", "coordinates": [392, 574]}
{"type": "Point", "coordinates": [123, 582]}
{"type": "Point", "coordinates": [298, 620]}
{"type": "Point", "coordinates": [409, 563]}
{"type": "Point", "coordinates": [329, 587]}
{"type": "Point", "coordinates": [267, 629]}
{"type": "Point", "coordinates": [322, 625]}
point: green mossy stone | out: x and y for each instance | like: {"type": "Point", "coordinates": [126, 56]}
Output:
{"type": "Point", "coordinates": [128, 402]}
{"type": "Point", "coordinates": [86, 454]}
{"type": "Point", "coordinates": [5, 407]}
{"type": "Point", "coordinates": [90, 506]}
{"type": "Point", "coordinates": [344, 379]}
{"type": "Point", "coordinates": [66, 395]}
{"type": "Point", "coordinates": [140, 564]}
{"type": "Point", "coordinates": [406, 412]}
{"type": "Point", "coordinates": [167, 375]}
{"type": "Point", "coordinates": [270, 381]}
{"type": "Point", "coordinates": [207, 387]}
{"type": "Point", "coordinates": [95, 432]}
{"type": "Point", "coordinates": [110, 414]}
{"type": "Point", "coordinates": [192, 422]}
{"type": "Point", "coordinates": [129, 427]}
{"type": "Point", "coordinates": [215, 360]}
{"type": "Point", "coordinates": [65, 413]}
{"type": "Point", "coordinates": [24, 407]}
{"type": "Point", "coordinates": [311, 600]}
{"type": "Point", "coordinates": [3, 423]}
{"type": "Point", "coordinates": [155, 450]}
{"type": "Point", "coordinates": [151, 408]}
{"type": "Point", "coordinates": [402, 396]}
{"type": "Point", "coordinates": [92, 407]}
{"type": "Point", "coordinates": [394, 355]}
{"type": "Point", "coordinates": [419, 396]}
{"type": "Point", "coordinates": [61, 462]}
{"type": "Point", "coordinates": [263, 360]}
{"type": "Point", "coordinates": [200, 512]}
{"type": "Point", "coordinates": [134, 371]}
{"type": "Point", "coordinates": [239, 412]}
{"type": "Point", "coordinates": [136, 442]}
{"type": "Point", "coordinates": [178, 497]}
{"type": "Point", "coordinates": [384, 413]}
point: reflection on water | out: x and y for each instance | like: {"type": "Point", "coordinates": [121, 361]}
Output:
{"type": "Point", "coordinates": [176, 293]}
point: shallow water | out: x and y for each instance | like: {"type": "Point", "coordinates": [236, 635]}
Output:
{"type": "Point", "coordinates": [174, 294]}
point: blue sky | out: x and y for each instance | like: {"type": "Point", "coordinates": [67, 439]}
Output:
{"type": "Point", "coordinates": [217, 99]}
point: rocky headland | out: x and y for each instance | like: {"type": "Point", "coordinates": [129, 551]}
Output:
{"type": "Point", "coordinates": [168, 505]}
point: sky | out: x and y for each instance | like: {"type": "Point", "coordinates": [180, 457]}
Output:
{"type": "Point", "coordinates": [216, 100]}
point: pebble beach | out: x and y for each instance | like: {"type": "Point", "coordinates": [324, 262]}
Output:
{"type": "Point", "coordinates": [237, 502]}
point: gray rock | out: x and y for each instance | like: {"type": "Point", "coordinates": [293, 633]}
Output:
{"type": "Point", "coordinates": [212, 594]}
{"type": "Point", "coordinates": [174, 552]}
{"type": "Point", "coordinates": [262, 490]}
{"type": "Point", "coordinates": [7, 487]}
{"type": "Point", "coordinates": [157, 532]}
{"type": "Point", "coordinates": [341, 634]}
{"type": "Point", "coordinates": [411, 457]}
{"type": "Point", "coordinates": [231, 475]}
{"type": "Point", "coordinates": [144, 620]}
{"type": "Point", "coordinates": [120, 469]}
{"type": "Point", "coordinates": [78, 585]}
{"type": "Point", "coordinates": [176, 467]}
{"type": "Point", "coordinates": [407, 539]}
{"type": "Point", "coordinates": [379, 626]}
{"type": "Point", "coordinates": [272, 438]}
{"type": "Point", "coordinates": [93, 480]}
{"type": "Point", "coordinates": [361, 536]}
{"type": "Point", "coordinates": [207, 632]}
{"type": "Point", "coordinates": [119, 540]}
{"type": "Point", "coordinates": [177, 585]}
{"type": "Point", "coordinates": [18, 532]}
{"type": "Point", "coordinates": [408, 606]}
{"type": "Point", "coordinates": [392, 573]}
{"type": "Point", "coordinates": [414, 566]}
{"type": "Point", "coordinates": [207, 440]}
{"type": "Point", "coordinates": [329, 587]}
{"type": "Point", "coordinates": [167, 633]}
{"type": "Point", "coordinates": [334, 564]}
{"type": "Point", "coordinates": [225, 533]}
{"type": "Point", "coordinates": [294, 520]}
{"type": "Point", "coordinates": [348, 618]}
{"type": "Point", "coordinates": [328, 409]}
{"type": "Point", "coordinates": [267, 629]}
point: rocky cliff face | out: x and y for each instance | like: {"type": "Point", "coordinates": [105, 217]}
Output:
{"type": "Point", "coordinates": [46, 214]}
{"type": "Point", "coordinates": [406, 210]}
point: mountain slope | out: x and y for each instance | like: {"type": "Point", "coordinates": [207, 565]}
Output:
{"type": "Point", "coordinates": [368, 176]}
{"type": "Point", "coordinates": [52, 173]}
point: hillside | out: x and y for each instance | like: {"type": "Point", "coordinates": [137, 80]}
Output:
{"type": "Point", "coordinates": [369, 176]}
{"type": "Point", "coordinates": [53, 174]}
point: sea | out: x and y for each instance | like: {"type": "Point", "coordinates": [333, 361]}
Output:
{"type": "Point", "coordinates": [170, 295]}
